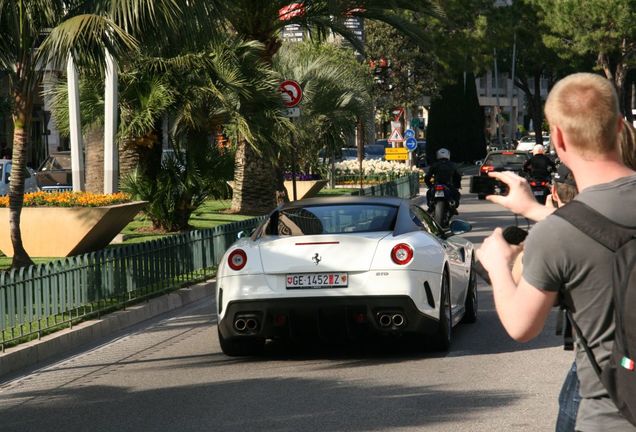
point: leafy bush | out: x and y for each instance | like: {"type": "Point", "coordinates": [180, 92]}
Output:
{"type": "Point", "coordinates": [184, 181]}
{"type": "Point", "coordinates": [375, 167]}
{"type": "Point", "coordinates": [68, 199]}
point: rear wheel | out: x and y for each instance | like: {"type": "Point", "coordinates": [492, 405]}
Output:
{"type": "Point", "coordinates": [443, 336]}
{"type": "Point", "coordinates": [470, 315]}
{"type": "Point", "coordinates": [441, 213]}
{"type": "Point", "coordinates": [243, 346]}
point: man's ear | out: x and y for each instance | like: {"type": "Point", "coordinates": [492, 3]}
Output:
{"type": "Point", "coordinates": [557, 138]}
{"type": "Point", "coordinates": [555, 196]}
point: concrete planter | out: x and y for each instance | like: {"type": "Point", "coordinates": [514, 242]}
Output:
{"type": "Point", "coordinates": [66, 231]}
{"type": "Point", "coordinates": [304, 188]}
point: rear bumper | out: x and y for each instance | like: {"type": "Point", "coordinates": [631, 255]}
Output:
{"type": "Point", "coordinates": [333, 319]}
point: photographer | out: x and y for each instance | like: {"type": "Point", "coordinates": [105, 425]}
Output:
{"type": "Point", "coordinates": [582, 111]}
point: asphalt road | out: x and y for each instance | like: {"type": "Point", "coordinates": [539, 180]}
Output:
{"type": "Point", "coordinates": [169, 374]}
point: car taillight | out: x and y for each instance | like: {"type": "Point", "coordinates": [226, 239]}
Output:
{"type": "Point", "coordinates": [402, 254]}
{"type": "Point", "coordinates": [544, 183]}
{"type": "Point", "coordinates": [487, 168]}
{"type": "Point", "coordinates": [533, 183]}
{"type": "Point", "coordinates": [439, 187]}
{"type": "Point", "coordinates": [237, 259]}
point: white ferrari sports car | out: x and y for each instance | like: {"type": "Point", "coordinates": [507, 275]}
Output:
{"type": "Point", "coordinates": [345, 268]}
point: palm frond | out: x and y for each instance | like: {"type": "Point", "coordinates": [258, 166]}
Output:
{"type": "Point", "coordinates": [87, 38]}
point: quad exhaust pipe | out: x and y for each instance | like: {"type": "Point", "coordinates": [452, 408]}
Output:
{"type": "Point", "coordinates": [395, 320]}
{"type": "Point", "coordinates": [245, 324]}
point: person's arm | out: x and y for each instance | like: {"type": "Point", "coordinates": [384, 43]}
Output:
{"type": "Point", "coordinates": [522, 308]}
{"type": "Point", "coordinates": [457, 179]}
{"type": "Point", "coordinates": [519, 199]}
{"type": "Point", "coordinates": [429, 175]}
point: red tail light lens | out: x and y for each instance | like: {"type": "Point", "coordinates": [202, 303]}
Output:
{"type": "Point", "coordinates": [402, 254]}
{"type": "Point", "coordinates": [544, 183]}
{"type": "Point", "coordinates": [533, 183]}
{"type": "Point", "coordinates": [487, 168]}
{"type": "Point", "coordinates": [439, 187]}
{"type": "Point", "coordinates": [237, 259]}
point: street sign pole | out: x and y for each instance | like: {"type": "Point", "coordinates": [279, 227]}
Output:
{"type": "Point", "coordinates": [292, 94]}
{"type": "Point", "coordinates": [294, 156]}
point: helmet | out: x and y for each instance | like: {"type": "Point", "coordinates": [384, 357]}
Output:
{"type": "Point", "coordinates": [538, 149]}
{"type": "Point", "coordinates": [443, 154]}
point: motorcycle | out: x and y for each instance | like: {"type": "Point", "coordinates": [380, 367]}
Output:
{"type": "Point", "coordinates": [442, 204]}
{"type": "Point", "coordinates": [540, 188]}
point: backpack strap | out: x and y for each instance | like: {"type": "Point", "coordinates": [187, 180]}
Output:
{"type": "Point", "coordinates": [595, 225]}
{"type": "Point", "coordinates": [581, 339]}
{"type": "Point", "coordinates": [605, 232]}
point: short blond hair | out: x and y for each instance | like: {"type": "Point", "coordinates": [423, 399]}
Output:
{"type": "Point", "coordinates": [585, 107]}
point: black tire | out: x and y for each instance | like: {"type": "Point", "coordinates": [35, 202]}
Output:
{"type": "Point", "coordinates": [442, 340]}
{"type": "Point", "coordinates": [481, 197]}
{"type": "Point", "coordinates": [440, 213]}
{"type": "Point", "coordinates": [243, 346]}
{"type": "Point", "coordinates": [471, 305]}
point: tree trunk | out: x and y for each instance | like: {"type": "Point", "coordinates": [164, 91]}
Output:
{"type": "Point", "coordinates": [95, 159]}
{"type": "Point", "coordinates": [128, 159]}
{"type": "Point", "coordinates": [254, 190]}
{"type": "Point", "coordinates": [536, 107]}
{"type": "Point", "coordinates": [21, 119]}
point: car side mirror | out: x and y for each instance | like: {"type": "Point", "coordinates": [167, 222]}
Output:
{"type": "Point", "coordinates": [479, 162]}
{"type": "Point", "coordinates": [245, 233]}
{"type": "Point", "coordinates": [458, 226]}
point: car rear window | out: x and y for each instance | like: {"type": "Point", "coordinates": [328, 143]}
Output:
{"type": "Point", "coordinates": [505, 159]}
{"type": "Point", "coordinates": [332, 219]}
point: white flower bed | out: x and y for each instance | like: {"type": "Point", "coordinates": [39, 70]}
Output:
{"type": "Point", "coordinates": [375, 167]}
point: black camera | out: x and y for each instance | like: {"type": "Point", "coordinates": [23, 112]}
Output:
{"type": "Point", "coordinates": [483, 185]}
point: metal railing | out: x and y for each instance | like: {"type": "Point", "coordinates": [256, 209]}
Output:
{"type": "Point", "coordinates": [42, 298]}
{"type": "Point", "coordinates": [403, 187]}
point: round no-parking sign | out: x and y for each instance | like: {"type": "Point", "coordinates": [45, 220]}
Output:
{"type": "Point", "coordinates": [291, 92]}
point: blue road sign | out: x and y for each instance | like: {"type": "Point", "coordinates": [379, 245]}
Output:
{"type": "Point", "coordinates": [410, 143]}
{"type": "Point", "coordinates": [409, 133]}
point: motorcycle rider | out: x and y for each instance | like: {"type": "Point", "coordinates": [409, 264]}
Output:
{"type": "Point", "coordinates": [443, 171]}
{"type": "Point", "coordinates": [539, 166]}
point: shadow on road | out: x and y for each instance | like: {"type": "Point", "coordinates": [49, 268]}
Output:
{"type": "Point", "coordinates": [293, 404]}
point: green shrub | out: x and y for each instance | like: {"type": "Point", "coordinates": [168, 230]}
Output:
{"type": "Point", "coordinates": [184, 181]}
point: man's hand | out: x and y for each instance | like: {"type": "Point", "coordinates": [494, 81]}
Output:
{"type": "Point", "coordinates": [519, 199]}
{"type": "Point", "coordinates": [496, 253]}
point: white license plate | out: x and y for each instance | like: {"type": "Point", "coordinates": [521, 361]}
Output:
{"type": "Point", "coordinates": [439, 194]}
{"type": "Point", "coordinates": [317, 280]}
{"type": "Point", "coordinates": [539, 193]}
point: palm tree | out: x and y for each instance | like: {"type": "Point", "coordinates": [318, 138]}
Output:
{"type": "Point", "coordinates": [26, 45]}
{"type": "Point", "coordinates": [262, 20]}
{"type": "Point", "coordinates": [36, 33]}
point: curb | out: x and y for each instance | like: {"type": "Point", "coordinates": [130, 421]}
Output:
{"type": "Point", "coordinates": [36, 351]}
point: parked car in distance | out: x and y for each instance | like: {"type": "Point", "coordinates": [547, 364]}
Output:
{"type": "Point", "coordinates": [374, 151]}
{"type": "Point", "coordinates": [30, 184]}
{"type": "Point", "coordinates": [348, 153]}
{"type": "Point", "coordinates": [345, 269]}
{"type": "Point", "coordinates": [528, 142]}
{"type": "Point", "coordinates": [55, 173]}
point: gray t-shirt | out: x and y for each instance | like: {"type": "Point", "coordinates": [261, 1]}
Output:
{"type": "Point", "coordinates": [559, 257]}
